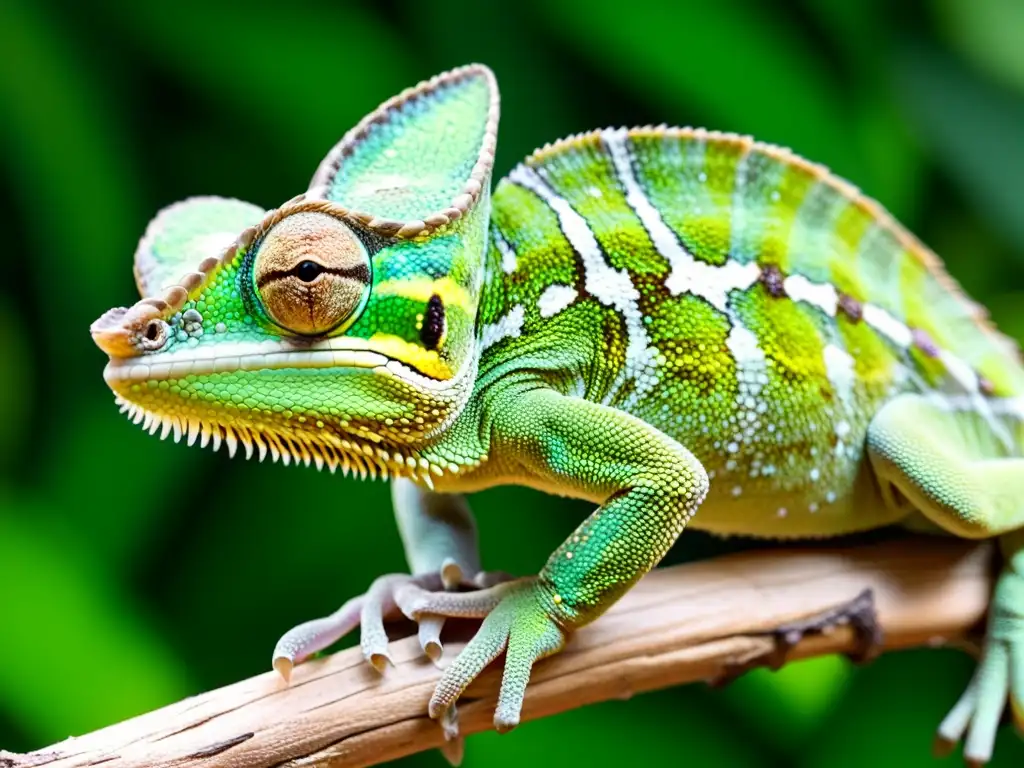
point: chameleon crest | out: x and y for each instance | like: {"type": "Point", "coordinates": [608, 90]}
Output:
{"type": "Point", "coordinates": [682, 326]}
{"type": "Point", "coordinates": [360, 295]}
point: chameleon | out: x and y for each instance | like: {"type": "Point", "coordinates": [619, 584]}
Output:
{"type": "Point", "coordinates": [681, 326]}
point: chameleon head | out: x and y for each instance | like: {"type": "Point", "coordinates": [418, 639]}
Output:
{"type": "Point", "coordinates": [319, 331]}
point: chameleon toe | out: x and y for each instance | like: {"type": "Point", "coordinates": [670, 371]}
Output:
{"type": "Point", "coordinates": [429, 633]}
{"type": "Point", "coordinates": [414, 601]}
{"type": "Point", "coordinates": [303, 640]}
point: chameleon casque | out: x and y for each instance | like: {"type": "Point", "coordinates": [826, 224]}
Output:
{"type": "Point", "coordinates": [681, 326]}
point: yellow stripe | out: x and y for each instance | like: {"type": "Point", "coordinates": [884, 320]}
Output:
{"type": "Point", "coordinates": [426, 361]}
{"type": "Point", "coordinates": [422, 288]}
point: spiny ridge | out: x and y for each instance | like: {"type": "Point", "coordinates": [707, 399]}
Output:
{"type": "Point", "coordinates": [349, 455]}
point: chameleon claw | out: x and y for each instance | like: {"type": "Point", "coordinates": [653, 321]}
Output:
{"type": "Point", "coordinates": [454, 750]}
{"type": "Point", "coordinates": [379, 660]}
{"type": "Point", "coordinates": [430, 636]}
{"type": "Point", "coordinates": [449, 722]}
{"type": "Point", "coordinates": [942, 747]}
{"type": "Point", "coordinates": [451, 573]}
{"type": "Point", "coordinates": [284, 666]}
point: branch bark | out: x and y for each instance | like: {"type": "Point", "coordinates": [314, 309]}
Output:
{"type": "Point", "coordinates": [681, 624]}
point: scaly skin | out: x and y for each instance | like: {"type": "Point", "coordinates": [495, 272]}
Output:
{"type": "Point", "coordinates": [684, 327]}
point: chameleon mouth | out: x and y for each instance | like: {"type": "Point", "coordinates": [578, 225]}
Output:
{"type": "Point", "coordinates": [230, 357]}
{"type": "Point", "coordinates": [348, 454]}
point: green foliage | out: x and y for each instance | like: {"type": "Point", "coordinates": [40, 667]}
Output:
{"type": "Point", "coordinates": [135, 572]}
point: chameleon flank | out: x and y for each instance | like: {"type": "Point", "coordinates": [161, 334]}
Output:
{"type": "Point", "coordinates": [682, 326]}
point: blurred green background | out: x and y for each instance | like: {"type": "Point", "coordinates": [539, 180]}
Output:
{"type": "Point", "coordinates": [135, 572]}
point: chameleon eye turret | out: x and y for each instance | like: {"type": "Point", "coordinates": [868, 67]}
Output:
{"type": "Point", "coordinates": [311, 273]}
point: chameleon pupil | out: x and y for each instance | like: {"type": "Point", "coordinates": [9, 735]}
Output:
{"type": "Point", "coordinates": [308, 271]}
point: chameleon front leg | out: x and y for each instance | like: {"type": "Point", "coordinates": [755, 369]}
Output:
{"type": "Point", "coordinates": [648, 486]}
{"type": "Point", "coordinates": [440, 539]}
{"type": "Point", "coordinates": [954, 470]}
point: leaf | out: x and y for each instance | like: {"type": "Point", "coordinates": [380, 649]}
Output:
{"type": "Point", "coordinates": [62, 140]}
{"type": "Point", "coordinates": [77, 655]}
{"type": "Point", "coordinates": [788, 706]}
{"type": "Point", "coordinates": [730, 63]}
{"type": "Point", "coordinates": [76, 190]}
{"type": "Point", "coordinates": [891, 711]}
{"type": "Point", "coordinates": [974, 130]}
{"type": "Point", "coordinates": [660, 728]}
{"type": "Point", "coordinates": [16, 375]}
{"type": "Point", "coordinates": [988, 33]}
{"type": "Point", "coordinates": [304, 72]}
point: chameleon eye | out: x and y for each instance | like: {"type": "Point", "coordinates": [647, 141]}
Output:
{"type": "Point", "coordinates": [311, 273]}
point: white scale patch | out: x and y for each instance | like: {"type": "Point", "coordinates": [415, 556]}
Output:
{"type": "Point", "coordinates": [888, 326]}
{"type": "Point", "coordinates": [840, 371]}
{"type": "Point", "coordinates": [555, 298]}
{"type": "Point", "coordinates": [688, 274]}
{"type": "Point", "coordinates": [612, 287]}
{"type": "Point", "coordinates": [822, 295]}
{"type": "Point", "coordinates": [747, 353]}
{"type": "Point", "coordinates": [508, 255]}
{"type": "Point", "coordinates": [508, 327]}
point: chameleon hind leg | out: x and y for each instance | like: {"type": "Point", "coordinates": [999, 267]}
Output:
{"type": "Point", "coordinates": [954, 470]}
{"type": "Point", "coordinates": [440, 539]}
{"type": "Point", "coordinates": [648, 486]}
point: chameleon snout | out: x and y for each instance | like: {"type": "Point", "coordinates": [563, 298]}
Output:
{"type": "Point", "coordinates": [128, 332]}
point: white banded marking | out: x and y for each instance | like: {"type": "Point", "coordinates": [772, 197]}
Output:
{"type": "Point", "coordinates": [751, 365]}
{"type": "Point", "coordinates": [887, 325]}
{"type": "Point", "coordinates": [612, 287]}
{"type": "Point", "coordinates": [687, 274]}
{"type": "Point", "coordinates": [508, 255]}
{"type": "Point", "coordinates": [839, 368]}
{"type": "Point", "coordinates": [509, 326]}
{"type": "Point", "coordinates": [556, 298]}
{"type": "Point", "coordinates": [822, 295]}
{"type": "Point", "coordinates": [960, 372]}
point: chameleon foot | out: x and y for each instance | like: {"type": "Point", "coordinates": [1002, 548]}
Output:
{"type": "Point", "coordinates": [519, 621]}
{"type": "Point", "coordinates": [369, 611]}
{"type": "Point", "coordinates": [387, 598]}
{"type": "Point", "coordinates": [999, 676]}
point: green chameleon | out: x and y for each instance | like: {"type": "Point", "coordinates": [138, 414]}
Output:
{"type": "Point", "coordinates": [678, 325]}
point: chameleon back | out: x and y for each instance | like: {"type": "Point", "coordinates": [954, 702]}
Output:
{"type": "Point", "coordinates": [744, 301]}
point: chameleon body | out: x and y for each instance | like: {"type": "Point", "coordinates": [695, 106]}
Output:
{"type": "Point", "coordinates": [684, 327]}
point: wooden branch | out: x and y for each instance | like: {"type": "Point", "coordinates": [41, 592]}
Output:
{"type": "Point", "coordinates": [681, 624]}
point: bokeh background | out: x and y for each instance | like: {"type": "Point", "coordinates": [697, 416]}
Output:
{"type": "Point", "coordinates": [135, 572]}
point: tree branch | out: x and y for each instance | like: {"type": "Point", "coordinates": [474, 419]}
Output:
{"type": "Point", "coordinates": [681, 624]}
